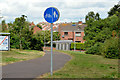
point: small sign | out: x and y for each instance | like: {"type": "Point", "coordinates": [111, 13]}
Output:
{"type": "Point", "coordinates": [3, 42]}
{"type": "Point", "coordinates": [51, 14]}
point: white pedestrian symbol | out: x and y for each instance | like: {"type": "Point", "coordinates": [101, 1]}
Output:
{"type": "Point", "coordinates": [55, 15]}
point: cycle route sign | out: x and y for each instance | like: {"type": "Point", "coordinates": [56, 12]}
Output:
{"type": "Point", "coordinates": [51, 14]}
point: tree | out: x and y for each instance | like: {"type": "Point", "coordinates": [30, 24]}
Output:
{"type": "Point", "coordinates": [20, 33]}
{"type": "Point", "coordinates": [39, 26]}
{"type": "Point", "coordinates": [99, 33]}
{"type": "Point", "coordinates": [4, 27]}
{"type": "Point", "coordinates": [97, 16]}
{"type": "Point", "coordinates": [20, 22]}
{"type": "Point", "coordinates": [100, 30]}
{"type": "Point", "coordinates": [91, 16]}
{"type": "Point", "coordinates": [56, 36]}
{"type": "Point", "coordinates": [36, 42]}
{"type": "Point", "coordinates": [45, 36]}
{"type": "Point", "coordinates": [114, 10]}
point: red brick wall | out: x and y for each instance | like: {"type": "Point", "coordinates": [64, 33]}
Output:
{"type": "Point", "coordinates": [35, 29]}
{"type": "Point", "coordinates": [72, 36]}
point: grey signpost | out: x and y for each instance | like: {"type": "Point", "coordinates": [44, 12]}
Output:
{"type": "Point", "coordinates": [51, 48]}
{"type": "Point", "coordinates": [51, 15]}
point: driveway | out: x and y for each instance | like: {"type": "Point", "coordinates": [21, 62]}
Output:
{"type": "Point", "coordinates": [35, 67]}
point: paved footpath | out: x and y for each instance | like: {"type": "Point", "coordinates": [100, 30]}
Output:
{"type": "Point", "coordinates": [35, 67]}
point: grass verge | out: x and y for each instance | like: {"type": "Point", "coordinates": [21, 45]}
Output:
{"type": "Point", "coordinates": [86, 66]}
{"type": "Point", "coordinates": [16, 55]}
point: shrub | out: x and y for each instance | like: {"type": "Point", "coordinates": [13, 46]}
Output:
{"type": "Point", "coordinates": [110, 48]}
{"type": "Point", "coordinates": [36, 43]}
{"type": "Point", "coordinates": [94, 49]}
{"type": "Point", "coordinates": [78, 46]}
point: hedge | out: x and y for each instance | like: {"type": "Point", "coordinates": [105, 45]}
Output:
{"type": "Point", "coordinates": [79, 46]}
{"type": "Point", "coordinates": [94, 49]}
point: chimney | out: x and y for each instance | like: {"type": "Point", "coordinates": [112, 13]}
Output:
{"type": "Point", "coordinates": [80, 23]}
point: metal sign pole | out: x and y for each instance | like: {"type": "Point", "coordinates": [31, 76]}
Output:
{"type": "Point", "coordinates": [51, 15]}
{"type": "Point", "coordinates": [51, 48]}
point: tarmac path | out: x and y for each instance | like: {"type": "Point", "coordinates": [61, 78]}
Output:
{"type": "Point", "coordinates": [35, 67]}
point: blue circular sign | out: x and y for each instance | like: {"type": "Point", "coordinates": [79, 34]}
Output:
{"type": "Point", "coordinates": [51, 14]}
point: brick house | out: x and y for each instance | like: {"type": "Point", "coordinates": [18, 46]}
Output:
{"type": "Point", "coordinates": [72, 31]}
{"type": "Point", "coordinates": [35, 28]}
{"type": "Point", "coordinates": [47, 26]}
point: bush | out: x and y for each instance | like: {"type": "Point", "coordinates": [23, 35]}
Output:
{"type": "Point", "coordinates": [14, 41]}
{"type": "Point", "coordinates": [79, 46]}
{"type": "Point", "coordinates": [110, 48]}
{"type": "Point", "coordinates": [94, 49]}
{"type": "Point", "coordinates": [36, 43]}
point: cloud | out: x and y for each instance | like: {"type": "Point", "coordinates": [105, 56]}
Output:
{"type": "Point", "coordinates": [70, 10]}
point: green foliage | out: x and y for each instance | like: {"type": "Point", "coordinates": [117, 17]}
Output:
{"type": "Point", "coordinates": [36, 42]}
{"type": "Point", "coordinates": [91, 16]}
{"type": "Point", "coordinates": [110, 48]}
{"type": "Point", "coordinates": [39, 26]}
{"type": "Point", "coordinates": [20, 34]}
{"type": "Point", "coordinates": [98, 34]}
{"type": "Point", "coordinates": [94, 49]}
{"type": "Point", "coordinates": [79, 46]}
{"type": "Point", "coordinates": [99, 31]}
{"type": "Point", "coordinates": [14, 41]}
{"type": "Point", "coordinates": [4, 27]}
{"type": "Point", "coordinates": [56, 36]}
{"type": "Point", "coordinates": [45, 36]}
{"type": "Point", "coordinates": [114, 10]}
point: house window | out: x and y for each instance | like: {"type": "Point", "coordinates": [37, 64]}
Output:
{"type": "Point", "coordinates": [65, 33]}
{"type": "Point", "coordinates": [78, 34]}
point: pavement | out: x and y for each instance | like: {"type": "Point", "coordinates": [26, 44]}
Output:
{"type": "Point", "coordinates": [35, 67]}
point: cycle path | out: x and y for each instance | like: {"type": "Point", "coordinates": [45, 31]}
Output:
{"type": "Point", "coordinates": [35, 67]}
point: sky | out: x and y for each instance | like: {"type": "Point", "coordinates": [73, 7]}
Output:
{"type": "Point", "coordinates": [70, 10]}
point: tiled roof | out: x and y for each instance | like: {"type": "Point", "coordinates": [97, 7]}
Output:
{"type": "Point", "coordinates": [72, 27]}
{"type": "Point", "coordinates": [32, 24]}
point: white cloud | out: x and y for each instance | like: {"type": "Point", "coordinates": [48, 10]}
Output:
{"type": "Point", "coordinates": [70, 10]}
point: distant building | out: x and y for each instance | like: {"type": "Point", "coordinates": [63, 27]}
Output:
{"type": "Point", "coordinates": [47, 26]}
{"type": "Point", "coordinates": [35, 28]}
{"type": "Point", "coordinates": [72, 31]}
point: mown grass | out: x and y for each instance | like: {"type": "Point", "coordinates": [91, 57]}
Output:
{"type": "Point", "coordinates": [86, 66]}
{"type": "Point", "coordinates": [16, 55]}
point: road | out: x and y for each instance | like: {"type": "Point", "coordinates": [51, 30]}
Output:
{"type": "Point", "coordinates": [35, 67]}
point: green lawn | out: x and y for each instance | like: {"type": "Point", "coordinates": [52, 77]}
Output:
{"type": "Point", "coordinates": [86, 66]}
{"type": "Point", "coordinates": [16, 55]}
